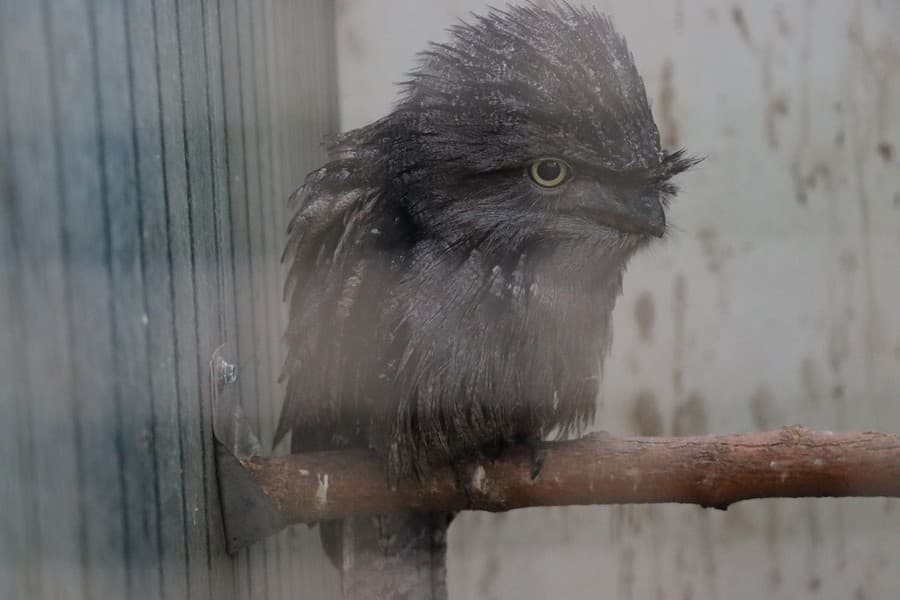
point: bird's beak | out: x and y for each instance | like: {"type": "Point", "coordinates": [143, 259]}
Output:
{"type": "Point", "coordinates": [633, 213]}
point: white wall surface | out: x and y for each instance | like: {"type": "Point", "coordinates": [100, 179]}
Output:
{"type": "Point", "coordinates": [776, 301]}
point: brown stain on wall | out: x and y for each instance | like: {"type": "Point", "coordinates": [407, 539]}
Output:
{"type": "Point", "coordinates": [627, 574]}
{"type": "Point", "coordinates": [839, 138]}
{"type": "Point", "coordinates": [488, 579]}
{"type": "Point", "coordinates": [713, 249]}
{"type": "Point", "coordinates": [776, 108]}
{"type": "Point", "coordinates": [669, 127]}
{"type": "Point", "coordinates": [878, 66]}
{"type": "Point", "coordinates": [679, 312]}
{"type": "Point", "coordinates": [690, 416]}
{"type": "Point", "coordinates": [772, 531]}
{"type": "Point", "coordinates": [645, 315]}
{"type": "Point", "coordinates": [815, 540]}
{"type": "Point", "coordinates": [800, 194]}
{"type": "Point", "coordinates": [740, 22]}
{"type": "Point", "coordinates": [645, 415]}
{"type": "Point", "coordinates": [818, 176]}
{"type": "Point", "coordinates": [354, 44]}
{"type": "Point", "coordinates": [762, 408]}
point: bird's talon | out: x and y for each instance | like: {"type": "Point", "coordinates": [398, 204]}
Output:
{"type": "Point", "coordinates": [537, 461]}
{"type": "Point", "coordinates": [463, 476]}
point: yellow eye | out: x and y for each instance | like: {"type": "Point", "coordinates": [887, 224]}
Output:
{"type": "Point", "coordinates": [548, 172]}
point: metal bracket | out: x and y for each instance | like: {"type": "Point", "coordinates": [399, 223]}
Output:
{"type": "Point", "coordinates": [248, 513]}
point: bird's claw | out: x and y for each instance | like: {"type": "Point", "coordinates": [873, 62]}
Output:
{"type": "Point", "coordinates": [538, 455]}
{"type": "Point", "coordinates": [462, 474]}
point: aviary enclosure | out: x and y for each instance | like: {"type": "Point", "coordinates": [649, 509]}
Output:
{"type": "Point", "coordinates": [147, 151]}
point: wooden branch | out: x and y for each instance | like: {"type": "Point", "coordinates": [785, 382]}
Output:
{"type": "Point", "coordinates": [712, 471]}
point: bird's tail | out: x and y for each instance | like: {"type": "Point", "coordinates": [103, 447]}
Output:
{"type": "Point", "coordinates": [400, 556]}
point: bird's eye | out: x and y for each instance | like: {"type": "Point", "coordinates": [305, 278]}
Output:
{"type": "Point", "coordinates": [548, 172]}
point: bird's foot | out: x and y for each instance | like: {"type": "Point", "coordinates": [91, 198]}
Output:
{"type": "Point", "coordinates": [463, 474]}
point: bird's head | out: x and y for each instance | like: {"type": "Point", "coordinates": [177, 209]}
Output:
{"type": "Point", "coordinates": [531, 128]}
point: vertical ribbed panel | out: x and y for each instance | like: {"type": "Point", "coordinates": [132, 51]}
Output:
{"type": "Point", "coordinates": [147, 150]}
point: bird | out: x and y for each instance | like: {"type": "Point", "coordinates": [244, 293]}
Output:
{"type": "Point", "coordinates": [453, 268]}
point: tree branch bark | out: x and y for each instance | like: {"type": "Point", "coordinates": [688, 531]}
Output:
{"type": "Point", "coordinates": [712, 471]}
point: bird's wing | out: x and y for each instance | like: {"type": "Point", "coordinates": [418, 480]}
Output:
{"type": "Point", "coordinates": [341, 250]}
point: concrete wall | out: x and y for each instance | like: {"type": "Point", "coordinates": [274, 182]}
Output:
{"type": "Point", "coordinates": [775, 301]}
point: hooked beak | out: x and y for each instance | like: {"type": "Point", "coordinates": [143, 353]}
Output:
{"type": "Point", "coordinates": [638, 213]}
